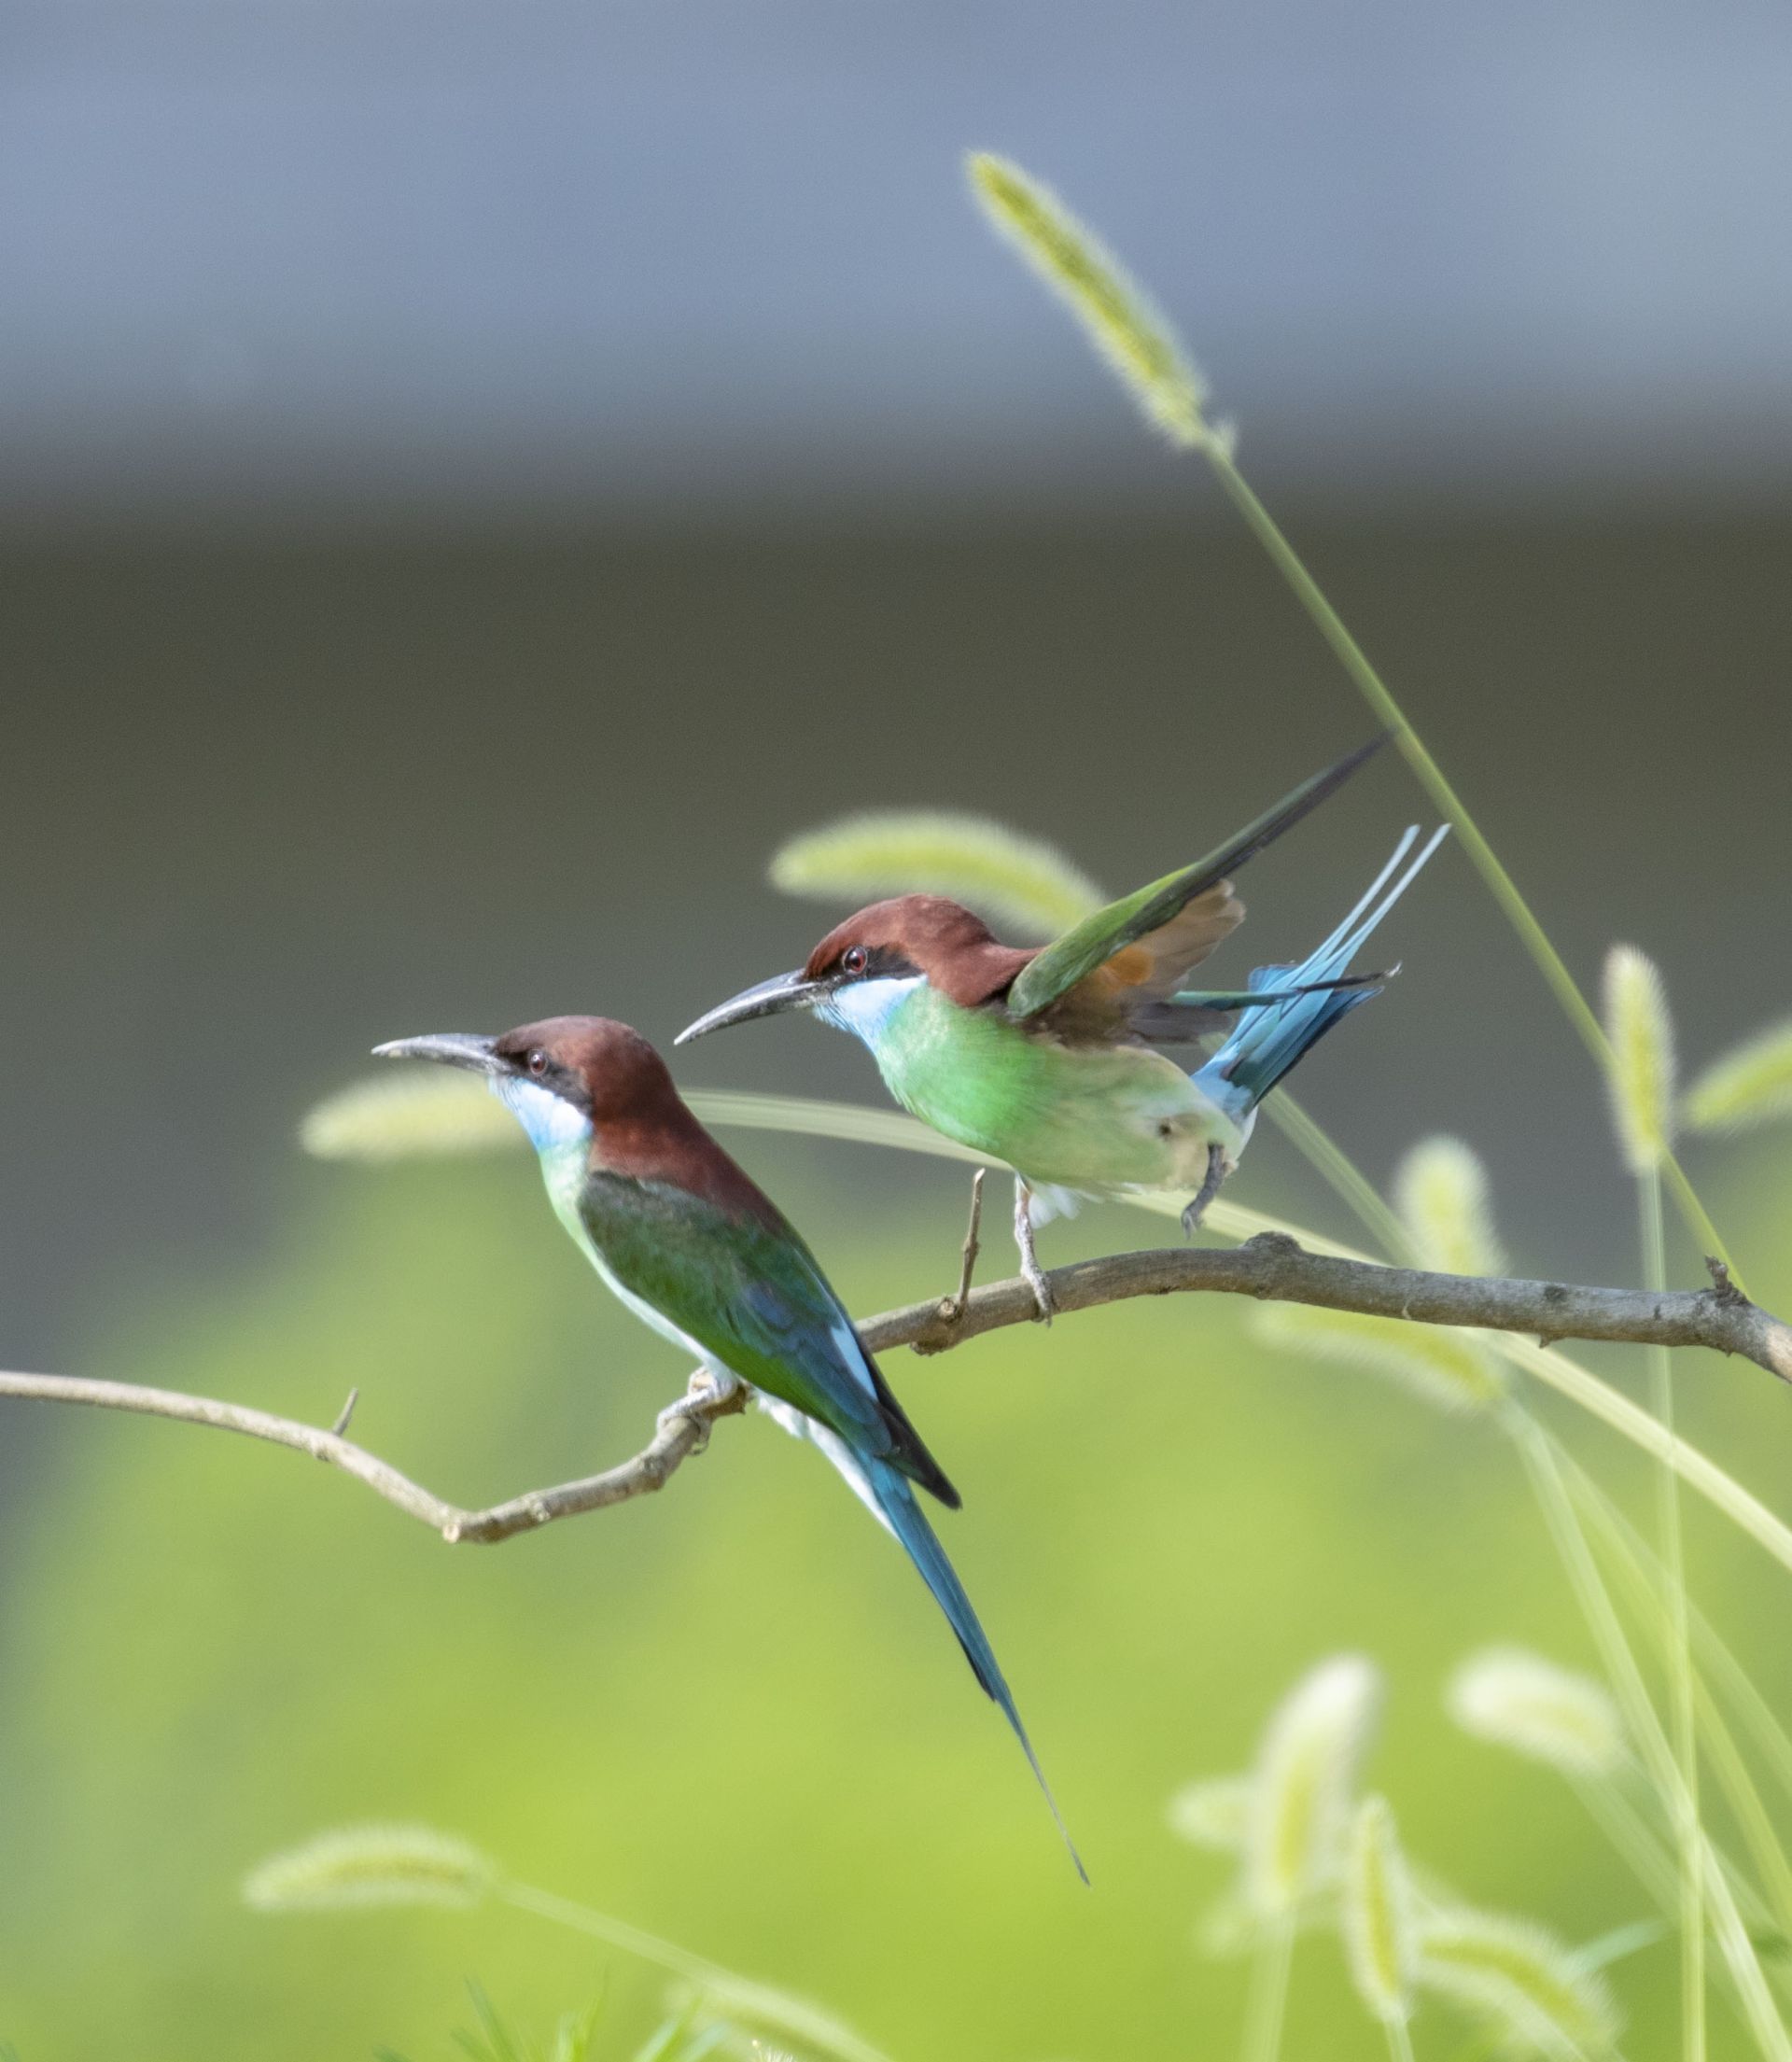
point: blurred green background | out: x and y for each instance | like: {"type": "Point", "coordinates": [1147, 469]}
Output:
{"type": "Point", "coordinates": [730, 1714]}
{"type": "Point", "coordinates": [464, 508]}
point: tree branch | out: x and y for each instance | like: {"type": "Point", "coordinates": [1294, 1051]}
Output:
{"type": "Point", "coordinates": [1277, 1268]}
{"type": "Point", "coordinates": [1270, 1267]}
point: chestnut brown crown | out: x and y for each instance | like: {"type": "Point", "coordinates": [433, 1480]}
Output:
{"type": "Point", "coordinates": [927, 934]}
{"type": "Point", "coordinates": [616, 1073]}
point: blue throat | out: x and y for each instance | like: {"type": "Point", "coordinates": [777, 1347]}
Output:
{"type": "Point", "coordinates": [866, 1008]}
{"type": "Point", "coordinates": [550, 1120]}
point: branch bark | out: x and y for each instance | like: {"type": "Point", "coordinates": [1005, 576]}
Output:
{"type": "Point", "coordinates": [1270, 1267]}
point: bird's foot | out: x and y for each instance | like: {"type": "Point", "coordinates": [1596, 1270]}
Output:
{"type": "Point", "coordinates": [706, 1397]}
{"type": "Point", "coordinates": [1216, 1173]}
{"type": "Point", "coordinates": [952, 1306]}
{"type": "Point", "coordinates": [1045, 1303]}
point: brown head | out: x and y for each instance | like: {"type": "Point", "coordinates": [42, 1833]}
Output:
{"type": "Point", "coordinates": [591, 1081]}
{"type": "Point", "coordinates": [925, 935]}
{"type": "Point", "coordinates": [605, 1069]}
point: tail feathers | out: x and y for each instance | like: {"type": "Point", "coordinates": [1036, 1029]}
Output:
{"type": "Point", "coordinates": [896, 1501]}
{"type": "Point", "coordinates": [908, 1453]}
{"type": "Point", "coordinates": [1269, 1041]}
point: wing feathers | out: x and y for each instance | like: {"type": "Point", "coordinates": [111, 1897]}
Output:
{"type": "Point", "coordinates": [748, 1290]}
{"type": "Point", "coordinates": [1053, 973]}
{"type": "Point", "coordinates": [1147, 971]}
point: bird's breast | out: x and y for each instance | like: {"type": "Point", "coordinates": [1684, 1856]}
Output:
{"type": "Point", "coordinates": [1087, 1117]}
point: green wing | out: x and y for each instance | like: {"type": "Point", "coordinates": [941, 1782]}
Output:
{"type": "Point", "coordinates": [749, 1292]}
{"type": "Point", "coordinates": [1051, 974]}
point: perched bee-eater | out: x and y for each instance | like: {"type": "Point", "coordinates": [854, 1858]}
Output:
{"type": "Point", "coordinates": [698, 1252]}
{"type": "Point", "coordinates": [1048, 1059]}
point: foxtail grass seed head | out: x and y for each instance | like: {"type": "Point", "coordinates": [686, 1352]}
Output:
{"type": "Point", "coordinates": [1750, 1084]}
{"type": "Point", "coordinates": [1641, 1033]}
{"type": "Point", "coordinates": [1518, 1700]}
{"type": "Point", "coordinates": [1215, 1814]}
{"type": "Point", "coordinates": [362, 1865]}
{"type": "Point", "coordinates": [1381, 1927]}
{"type": "Point", "coordinates": [1121, 322]}
{"type": "Point", "coordinates": [1305, 1778]}
{"type": "Point", "coordinates": [405, 1117]}
{"type": "Point", "coordinates": [1442, 1365]}
{"type": "Point", "coordinates": [1531, 1992]}
{"type": "Point", "coordinates": [1020, 881]}
{"type": "Point", "coordinates": [1440, 1190]}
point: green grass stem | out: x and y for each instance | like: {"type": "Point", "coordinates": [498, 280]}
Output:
{"type": "Point", "coordinates": [1340, 1173]}
{"type": "Point", "coordinates": [1756, 1715]}
{"type": "Point", "coordinates": [1544, 1472]}
{"type": "Point", "coordinates": [1629, 1557]}
{"type": "Point", "coordinates": [1268, 2005]}
{"type": "Point", "coordinates": [1678, 1643]}
{"type": "Point", "coordinates": [1431, 776]}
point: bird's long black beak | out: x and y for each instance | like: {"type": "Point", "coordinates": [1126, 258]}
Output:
{"type": "Point", "coordinates": [450, 1048]}
{"type": "Point", "coordinates": [783, 991]}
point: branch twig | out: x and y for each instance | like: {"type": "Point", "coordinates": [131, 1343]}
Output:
{"type": "Point", "coordinates": [1272, 1267]}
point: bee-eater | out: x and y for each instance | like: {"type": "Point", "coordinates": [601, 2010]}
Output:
{"type": "Point", "coordinates": [697, 1251]}
{"type": "Point", "coordinates": [1048, 1058]}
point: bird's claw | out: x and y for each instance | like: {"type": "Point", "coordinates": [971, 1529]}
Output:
{"type": "Point", "coordinates": [703, 1401]}
{"type": "Point", "coordinates": [1216, 1173]}
{"type": "Point", "coordinates": [1044, 1302]}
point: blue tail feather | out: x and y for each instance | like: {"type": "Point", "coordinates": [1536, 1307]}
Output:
{"type": "Point", "coordinates": [1268, 1041]}
{"type": "Point", "coordinates": [896, 1500]}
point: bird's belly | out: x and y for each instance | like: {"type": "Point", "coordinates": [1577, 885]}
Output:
{"type": "Point", "coordinates": [1084, 1118]}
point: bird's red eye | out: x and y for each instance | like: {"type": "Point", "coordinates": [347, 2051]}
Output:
{"type": "Point", "coordinates": [538, 1062]}
{"type": "Point", "coordinates": [854, 959]}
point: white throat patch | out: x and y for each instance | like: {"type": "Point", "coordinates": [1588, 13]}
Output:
{"type": "Point", "coordinates": [865, 1007]}
{"type": "Point", "coordinates": [550, 1120]}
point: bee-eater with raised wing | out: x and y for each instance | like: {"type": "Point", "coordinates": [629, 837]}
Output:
{"type": "Point", "coordinates": [1048, 1058]}
{"type": "Point", "coordinates": [698, 1252]}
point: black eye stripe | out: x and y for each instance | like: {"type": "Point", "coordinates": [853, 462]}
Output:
{"type": "Point", "coordinates": [876, 963]}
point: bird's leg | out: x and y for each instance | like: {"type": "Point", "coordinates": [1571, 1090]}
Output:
{"type": "Point", "coordinates": [1030, 1266]}
{"type": "Point", "coordinates": [952, 1309]}
{"type": "Point", "coordinates": [1209, 1189]}
{"type": "Point", "coordinates": [710, 1394]}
